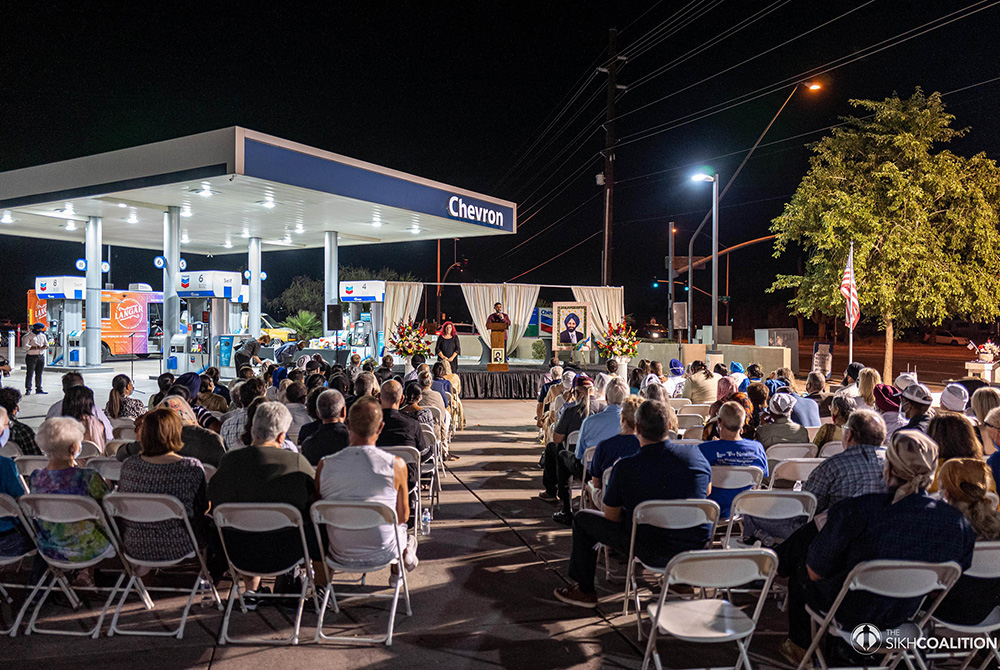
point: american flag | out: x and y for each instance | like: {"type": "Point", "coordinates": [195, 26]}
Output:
{"type": "Point", "coordinates": [849, 290]}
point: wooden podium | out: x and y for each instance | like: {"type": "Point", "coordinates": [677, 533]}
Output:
{"type": "Point", "coordinates": [498, 347]}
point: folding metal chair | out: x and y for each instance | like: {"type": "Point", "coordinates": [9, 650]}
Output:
{"type": "Point", "coordinates": [57, 508]}
{"type": "Point", "coordinates": [767, 505]}
{"type": "Point", "coordinates": [669, 515]}
{"type": "Point", "coordinates": [686, 422]}
{"type": "Point", "coordinates": [89, 450]}
{"type": "Point", "coordinates": [985, 565]}
{"type": "Point", "coordinates": [736, 476]}
{"type": "Point", "coordinates": [677, 403]}
{"type": "Point", "coordinates": [588, 458]}
{"type": "Point", "coordinates": [410, 456]}
{"type": "Point", "coordinates": [358, 516]}
{"type": "Point", "coordinates": [831, 448]}
{"type": "Point", "coordinates": [786, 450]}
{"type": "Point", "coordinates": [108, 468]}
{"type": "Point", "coordinates": [126, 433]}
{"type": "Point", "coordinates": [794, 470]}
{"type": "Point", "coordinates": [112, 447]}
{"type": "Point", "coordinates": [711, 620]}
{"type": "Point", "coordinates": [689, 442]}
{"type": "Point", "coordinates": [701, 409]}
{"type": "Point", "coordinates": [890, 579]}
{"type": "Point", "coordinates": [813, 431]}
{"type": "Point", "coordinates": [128, 423]}
{"type": "Point", "coordinates": [210, 471]}
{"type": "Point", "coordinates": [155, 508]}
{"type": "Point", "coordinates": [9, 508]}
{"type": "Point", "coordinates": [435, 484]}
{"type": "Point", "coordinates": [11, 450]}
{"type": "Point", "coordinates": [262, 518]}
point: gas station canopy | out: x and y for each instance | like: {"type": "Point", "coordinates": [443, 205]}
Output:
{"type": "Point", "coordinates": [235, 184]}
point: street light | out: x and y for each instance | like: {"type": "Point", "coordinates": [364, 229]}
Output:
{"type": "Point", "coordinates": [714, 179]}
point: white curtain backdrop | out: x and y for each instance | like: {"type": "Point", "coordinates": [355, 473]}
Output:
{"type": "Point", "coordinates": [518, 301]}
{"type": "Point", "coordinates": [608, 302]}
{"type": "Point", "coordinates": [402, 300]}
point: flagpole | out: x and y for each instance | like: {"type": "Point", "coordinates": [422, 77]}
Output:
{"type": "Point", "coordinates": [850, 337]}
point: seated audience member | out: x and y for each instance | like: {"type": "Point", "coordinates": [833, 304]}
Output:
{"type": "Point", "coordinates": [954, 398]}
{"type": "Point", "coordinates": [655, 392]}
{"type": "Point", "coordinates": [990, 429]}
{"type": "Point", "coordinates": [700, 385]}
{"type": "Point", "coordinates": [955, 438]}
{"type": "Point", "coordinates": [163, 382]}
{"type": "Point", "coordinates": [387, 363]}
{"type": "Point", "coordinates": [758, 394]}
{"type": "Point", "coordinates": [429, 396]}
{"type": "Point", "coordinates": [727, 393]}
{"type": "Point", "coordinates": [159, 468]}
{"type": "Point", "coordinates": [314, 423]}
{"type": "Point", "coordinates": [78, 403]}
{"type": "Point", "coordinates": [850, 384]}
{"type": "Point", "coordinates": [904, 380]}
{"type": "Point", "coordinates": [70, 380]}
{"type": "Point", "coordinates": [964, 483]}
{"type": "Point", "coordinates": [550, 390]}
{"type": "Point", "coordinates": [440, 384]}
{"type": "Point", "coordinates": [340, 382]}
{"type": "Point", "coordinates": [20, 433]}
{"type": "Point", "coordinates": [196, 442]}
{"type": "Point", "coordinates": [887, 405]}
{"type": "Point", "coordinates": [354, 366]}
{"type": "Point", "coordinates": [364, 385]}
{"type": "Point", "coordinates": [594, 429]}
{"type": "Point", "coordinates": [674, 383]}
{"type": "Point", "coordinates": [604, 378]}
{"type": "Point", "coordinates": [915, 405]}
{"type": "Point", "coordinates": [415, 362]}
{"type": "Point", "coordinates": [868, 379]}
{"type": "Point", "coordinates": [363, 472]}
{"type": "Point", "coordinates": [551, 417]}
{"type": "Point", "coordinates": [399, 430]}
{"type": "Point", "coordinates": [191, 382]}
{"type": "Point", "coordinates": [738, 373]}
{"type": "Point", "coordinates": [295, 401]}
{"type": "Point", "coordinates": [232, 429]}
{"type": "Point", "coordinates": [610, 450]}
{"type": "Point", "coordinates": [219, 389]}
{"type": "Point", "coordinates": [331, 436]}
{"type": "Point", "coordinates": [635, 378]}
{"type": "Point", "coordinates": [816, 391]}
{"type": "Point", "coordinates": [315, 380]}
{"type": "Point", "coordinates": [655, 375]}
{"type": "Point", "coordinates": [264, 472]}
{"type": "Point", "coordinates": [410, 406]}
{"type": "Point", "coordinates": [983, 400]}
{"type": "Point", "coordinates": [781, 378]}
{"type": "Point", "coordinates": [296, 376]}
{"type": "Point", "coordinates": [59, 438]}
{"type": "Point", "coordinates": [805, 411]}
{"type": "Point", "coordinates": [733, 450]}
{"type": "Point", "coordinates": [277, 376]}
{"type": "Point", "coordinates": [782, 428]}
{"type": "Point", "coordinates": [660, 471]}
{"type": "Point", "coordinates": [856, 471]}
{"type": "Point", "coordinates": [903, 524]}
{"type": "Point", "coordinates": [721, 370]}
{"type": "Point", "coordinates": [555, 478]}
{"type": "Point", "coordinates": [841, 408]}
{"type": "Point", "coordinates": [547, 377]}
{"type": "Point", "coordinates": [451, 377]}
{"type": "Point", "coordinates": [14, 541]}
{"type": "Point", "coordinates": [208, 398]}
{"type": "Point", "coordinates": [120, 403]}
{"type": "Point", "coordinates": [754, 374]}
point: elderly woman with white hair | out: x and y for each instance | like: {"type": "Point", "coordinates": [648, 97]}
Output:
{"type": "Point", "coordinates": [59, 438]}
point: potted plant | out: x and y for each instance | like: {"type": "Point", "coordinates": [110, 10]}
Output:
{"type": "Point", "coordinates": [407, 339]}
{"type": "Point", "coordinates": [988, 351]}
{"type": "Point", "coordinates": [621, 344]}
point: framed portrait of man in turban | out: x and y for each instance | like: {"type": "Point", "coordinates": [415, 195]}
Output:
{"type": "Point", "coordinates": [571, 326]}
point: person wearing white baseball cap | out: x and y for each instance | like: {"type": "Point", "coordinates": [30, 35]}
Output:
{"type": "Point", "coordinates": [954, 398]}
{"type": "Point", "coordinates": [905, 380]}
{"type": "Point", "coordinates": [781, 428]}
{"type": "Point", "coordinates": [915, 405]}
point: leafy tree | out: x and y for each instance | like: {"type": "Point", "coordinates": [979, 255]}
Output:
{"type": "Point", "coordinates": [307, 293]}
{"type": "Point", "coordinates": [923, 221]}
{"type": "Point", "coordinates": [357, 273]}
{"type": "Point", "coordinates": [305, 324]}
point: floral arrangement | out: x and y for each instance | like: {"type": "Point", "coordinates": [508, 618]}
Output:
{"type": "Point", "coordinates": [989, 348]}
{"type": "Point", "coordinates": [407, 339]}
{"type": "Point", "coordinates": [620, 340]}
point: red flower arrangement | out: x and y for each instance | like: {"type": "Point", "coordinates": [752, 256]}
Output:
{"type": "Point", "coordinates": [620, 340]}
{"type": "Point", "coordinates": [408, 339]}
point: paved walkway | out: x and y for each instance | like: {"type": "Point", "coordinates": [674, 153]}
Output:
{"type": "Point", "coordinates": [482, 595]}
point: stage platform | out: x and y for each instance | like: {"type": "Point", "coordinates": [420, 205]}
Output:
{"type": "Point", "coordinates": [520, 382]}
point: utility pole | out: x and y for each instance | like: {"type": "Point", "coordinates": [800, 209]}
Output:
{"type": "Point", "coordinates": [438, 314]}
{"type": "Point", "coordinates": [609, 157]}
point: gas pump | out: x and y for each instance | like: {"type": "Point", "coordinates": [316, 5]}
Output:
{"type": "Point", "coordinates": [209, 297]}
{"type": "Point", "coordinates": [366, 336]}
{"type": "Point", "coordinates": [64, 305]}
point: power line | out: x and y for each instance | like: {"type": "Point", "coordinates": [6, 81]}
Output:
{"type": "Point", "coordinates": [823, 69]}
{"type": "Point", "coordinates": [551, 225]}
{"type": "Point", "coordinates": [561, 253]}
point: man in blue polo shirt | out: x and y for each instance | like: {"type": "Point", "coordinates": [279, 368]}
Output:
{"type": "Point", "coordinates": [730, 449]}
{"type": "Point", "coordinates": [660, 471]}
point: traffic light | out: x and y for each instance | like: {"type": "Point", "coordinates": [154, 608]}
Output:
{"type": "Point", "coordinates": [656, 284]}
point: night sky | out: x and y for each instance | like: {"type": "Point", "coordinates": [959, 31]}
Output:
{"type": "Point", "coordinates": [458, 92]}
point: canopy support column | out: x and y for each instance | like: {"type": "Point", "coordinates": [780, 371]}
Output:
{"type": "Point", "coordinates": [172, 254]}
{"type": "Point", "coordinates": [253, 264]}
{"type": "Point", "coordinates": [331, 283]}
{"type": "Point", "coordinates": [92, 252]}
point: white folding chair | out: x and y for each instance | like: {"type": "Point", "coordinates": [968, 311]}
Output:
{"type": "Point", "coordinates": [993, 499]}
{"type": "Point", "coordinates": [154, 508]}
{"type": "Point", "coordinates": [108, 468]}
{"type": "Point", "coordinates": [126, 433]}
{"type": "Point", "coordinates": [57, 508]}
{"type": "Point", "coordinates": [572, 439]}
{"type": "Point", "coordinates": [410, 456]}
{"type": "Point", "coordinates": [28, 464]}
{"type": "Point", "coordinates": [358, 516]}
{"type": "Point", "coordinates": [689, 442]}
{"type": "Point", "coordinates": [677, 403]}
{"type": "Point", "coordinates": [10, 509]}
{"type": "Point", "coordinates": [112, 447]}
{"type": "Point", "coordinates": [435, 485]}
{"type": "Point", "coordinates": [711, 620]}
{"type": "Point", "coordinates": [11, 450]}
{"type": "Point", "coordinates": [669, 515]}
{"type": "Point", "coordinates": [786, 450]}
{"type": "Point", "coordinates": [262, 518]}
{"type": "Point", "coordinates": [793, 470]}
{"type": "Point", "coordinates": [985, 565]}
{"type": "Point", "coordinates": [557, 404]}
{"type": "Point", "coordinates": [889, 579]}
{"type": "Point", "coordinates": [813, 431]}
{"type": "Point", "coordinates": [686, 421]}
{"type": "Point", "coordinates": [89, 450]}
{"type": "Point", "coordinates": [701, 409]}
{"type": "Point", "coordinates": [588, 457]}
{"type": "Point", "coordinates": [831, 448]}
{"type": "Point", "coordinates": [210, 471]}
{"type": "Point", "coordinates": [736, 476]}
{"type": "Point", "coordinates": [128, 423]}
{"type": "Point", "coordinates": [767, 505]}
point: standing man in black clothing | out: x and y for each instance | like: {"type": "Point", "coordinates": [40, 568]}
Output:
{"type": "Point", "coordinates": [250, 351]}
{"type": "Point", "coordinates": [34, 359]}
